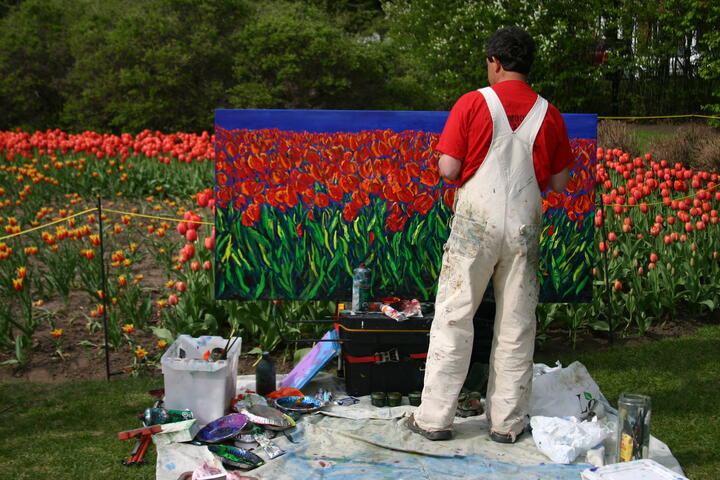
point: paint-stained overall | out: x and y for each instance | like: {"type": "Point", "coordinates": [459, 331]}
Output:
{"type": "Point", "coordinates": [495, 235]}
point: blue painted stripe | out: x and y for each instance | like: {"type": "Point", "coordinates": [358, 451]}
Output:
{"type": "Point", "coordinates": [580, 125]}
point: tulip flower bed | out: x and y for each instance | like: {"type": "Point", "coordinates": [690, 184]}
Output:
{"type": "Point", "coordinates": [158, 208]}
{"type": "Point", "coordinates": [660, 248]}
{"type": "Point", "coordinates": [158, 242]}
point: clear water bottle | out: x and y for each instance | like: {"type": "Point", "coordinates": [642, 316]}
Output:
{"type": "Point", "coordinates": [265, 381]}
{"type": "Point", "coordinates": [360, 289]}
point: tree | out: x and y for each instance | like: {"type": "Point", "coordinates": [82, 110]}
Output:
{"type": "Point", "coordinates": [158, 64]}
{"type": "Point", "coordinates": [294, 56]}
{"type": "Point", "coordinates": [34, 61]}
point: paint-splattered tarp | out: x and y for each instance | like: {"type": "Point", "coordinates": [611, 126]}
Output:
{"type": "Point", "coordinates": [364, 442]}
{"type": "Point", "coordinates": [374, 446]}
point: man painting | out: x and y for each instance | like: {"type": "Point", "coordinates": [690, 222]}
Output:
{"type": "Point", "coordinates": [504, 144]}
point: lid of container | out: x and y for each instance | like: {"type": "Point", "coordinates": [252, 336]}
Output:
{"type": "Point", "coordinates": [636, 470]}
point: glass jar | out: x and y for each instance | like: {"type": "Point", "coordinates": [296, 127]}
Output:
{"type": "Point", "coordinates": [633, 430]}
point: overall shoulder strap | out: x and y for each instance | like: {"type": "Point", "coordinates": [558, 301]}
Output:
{"type": "Point", "coordinates": [532, 122]}
{"type": "Point", "coordinates": [501, 126]}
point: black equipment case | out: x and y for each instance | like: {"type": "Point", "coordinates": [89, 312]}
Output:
{"type": "Point", "coordinates": [380, 354]}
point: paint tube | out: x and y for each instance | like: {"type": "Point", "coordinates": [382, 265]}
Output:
{"type": "Point", "coordinates": [394, 314]}
{"type": "Point", "coordinates": [411, 308]}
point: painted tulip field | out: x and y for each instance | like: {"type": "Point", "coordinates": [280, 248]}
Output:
{"type": "Point", "coordinates": [661, 246]}
{"type": "Point", "coordinates": [298, 211]}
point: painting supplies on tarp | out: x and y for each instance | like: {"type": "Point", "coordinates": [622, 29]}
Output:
{"type": "Point", "coordinates": [265, 378]}
{"type": "Point", "coordinates": [197, 384]}
{"type": "Point", "coordinates": [236, 457]}
{"type": "Point", "coordinates": [159, 416]}
{"type": "Point", "coordinates": [268, 417]}
{"type": "Point", "coordinates": [144, 437]}
{"type": "Point", "coordinates": [223, 428]}
{"type": "Point", "coordinates": [272, 450]}
{"type": "Point", "coordinates": [636, 470]}
{"type": "Point", "coordinates": [311, 363]}
{"type": "Point", "coordinates": [176, 432]}
{"type": "Point", "coordinates": [633, 431]}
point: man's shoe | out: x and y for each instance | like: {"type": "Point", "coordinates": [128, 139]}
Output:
{"type": "Point", "coordinates": [506, 437]}
{"type": "Point", "coordinates": [439, 435]}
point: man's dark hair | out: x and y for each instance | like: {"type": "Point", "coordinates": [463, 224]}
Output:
{"type": "Point", "coordinates": [513, 47]}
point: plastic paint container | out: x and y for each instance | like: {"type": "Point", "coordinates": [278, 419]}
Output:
{"type": "Point", "coordinates": [394, 399]}
{"type": "Point", "coordinates": [378, 399]}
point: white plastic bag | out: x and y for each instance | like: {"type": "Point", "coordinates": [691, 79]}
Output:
{"type": "Point", "coordinates": [563, 392]}
{"type": "Point", "coordinates": [563, 439]}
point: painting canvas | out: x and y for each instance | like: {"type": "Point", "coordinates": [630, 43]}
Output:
{"type": "Point", "coordinates": [303, 197]}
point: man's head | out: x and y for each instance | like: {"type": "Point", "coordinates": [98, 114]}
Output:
{"type": "Point", "coordinates": [513, 48]}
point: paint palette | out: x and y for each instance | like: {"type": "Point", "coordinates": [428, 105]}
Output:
{"type": "Point", "coordinates": [222, 428]}
{"type": "Point", "coordinates": [236, 457]}
{"type": "Point", "coordinates": [299, 404]}
{"type": "Point", "coordinates": [268, 417]}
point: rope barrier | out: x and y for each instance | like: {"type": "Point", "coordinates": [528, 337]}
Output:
{"type": "Point", "coordinates": [89, 210]}
{"type": "Point", "coordinates": [178, 220]}
{"type": "Point", "coordinates": [39, 227]}
{"type": "Point", "coordinates": [170, 219]}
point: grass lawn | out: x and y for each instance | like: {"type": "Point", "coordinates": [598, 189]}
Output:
{"type": "Point", "coordinates": [682, 375]}
{"type": "Point", "coordinates": [69, 431]}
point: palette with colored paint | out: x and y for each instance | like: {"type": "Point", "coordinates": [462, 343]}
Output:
{"type": "Point", "coordinates": [236, 457]}
{"type": "Point", "coordinates": [299, 404]}
{"type": "Point", "coordinates": [268, 417]}
{"type": "Point", "coordinates": [222, 428]}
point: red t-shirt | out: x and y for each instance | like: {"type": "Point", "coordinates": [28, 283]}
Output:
{"type": "Point", "coordinates": [468, 131]}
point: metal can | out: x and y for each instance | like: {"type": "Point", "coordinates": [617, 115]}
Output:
{"type": "Point", "coordinates": [360, 289]}
{"type": "Point", "coordinates": [156, 416]}
{"type": "Point", "coordinates": [179, 415]}
{"type": "Point", "coordinates": [633, 433]}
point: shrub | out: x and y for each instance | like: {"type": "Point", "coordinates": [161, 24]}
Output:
{"type": "Point", "coordinates": [685, 145]}
{"type": "Point", "coordinates": [709, 155]}
{"type": "Point", "coordinates": [616, 134]}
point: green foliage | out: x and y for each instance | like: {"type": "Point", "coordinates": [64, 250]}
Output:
{"type": "Point", "coordinates": [34, 62]}
{"type": "Point", "coordinates": [292, 56]}
{"type": "Point", "coordinates": [111, 65]}
{"type": "Point", "coordinates": [159, 64]}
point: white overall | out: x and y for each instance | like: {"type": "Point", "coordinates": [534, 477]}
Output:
{"type": "Point", "coordinates": [495, 234]}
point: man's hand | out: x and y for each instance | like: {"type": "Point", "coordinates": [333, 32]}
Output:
{"type": "Point", "coordinates": [559, 181]}
{"type": "Point", "coordinates": [449, 167]}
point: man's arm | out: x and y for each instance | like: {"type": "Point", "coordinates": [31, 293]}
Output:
{"type": "Point", "coordinates": [559, 181]}
{"type": "Point", "coordinates": [449, 167]}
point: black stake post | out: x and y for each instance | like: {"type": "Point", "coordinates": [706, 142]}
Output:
{"type": "Point", "coordinates": [103, 281]}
